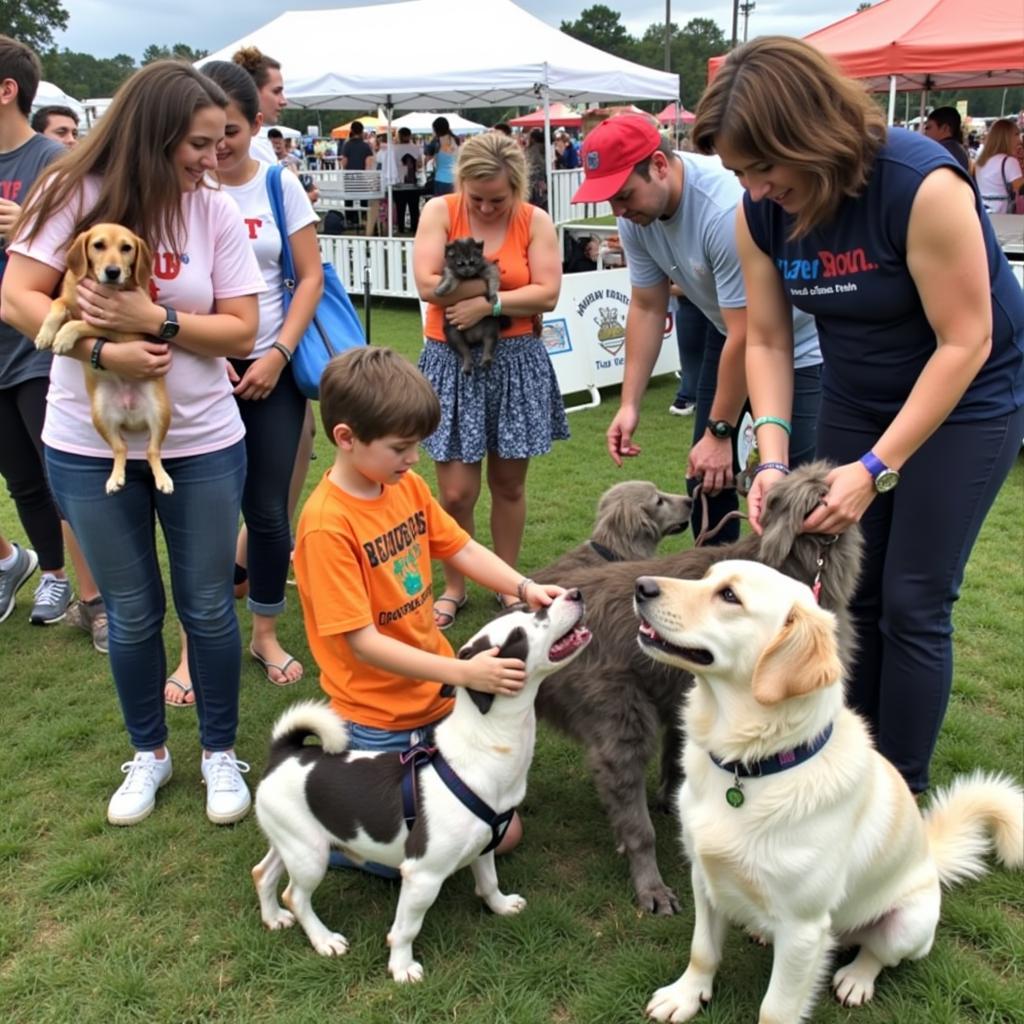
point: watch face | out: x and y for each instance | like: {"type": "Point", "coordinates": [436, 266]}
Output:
{"type": "Point", "coordinates": [721, 428]}
{"type": "Point", "coordinates": [169, 330]}
{"type": "Point", "coordinates": [886, 480]}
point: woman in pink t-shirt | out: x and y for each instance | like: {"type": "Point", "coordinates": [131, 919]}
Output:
{"type": "Point", "coordinates": [144, 166]}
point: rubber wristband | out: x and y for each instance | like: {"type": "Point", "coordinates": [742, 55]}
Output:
{"type": "Point", "coordinates": [496, 308]}
{"type": "Point", "coordinates": [521, 588]}
{"type": "Point", "coordinates": [777, 420]}
{"type": "Point", "coordinates": [94, 356]}
{"type": "Point", "coordinates": [780, 466]}
{"type": "Point", "coordinates": [284, 350]}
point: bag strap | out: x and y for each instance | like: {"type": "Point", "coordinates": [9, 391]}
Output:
{"type": "Point", "coordinates": [276, 193]}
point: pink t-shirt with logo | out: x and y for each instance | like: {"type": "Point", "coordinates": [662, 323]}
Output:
{"type": "Point", "coordinates": [217, 263]}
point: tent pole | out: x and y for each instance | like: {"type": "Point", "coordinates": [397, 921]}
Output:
{"type": "Point", "coordinates": [547, 135]}
{"type": "Point", "coordinates": [389, 109]}
{"type": "Point", "coordinates": [892, 100]}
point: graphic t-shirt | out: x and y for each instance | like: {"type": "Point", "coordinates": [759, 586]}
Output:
{"type": "Point", "coordinates": [696, 248]}
{"type": "Point", "coordinates": [851, 275]}
{"type": "Point", "coordinates": [265, 237]}
{"type": "Point", "coordinates": [362, 562]}
{"type": "Point", "coordinates": [20, 360]}
{"type": "Point", "coordinates": [216, 262]}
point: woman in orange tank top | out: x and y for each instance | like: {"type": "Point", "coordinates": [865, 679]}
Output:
{"type": "Point", "coordinates": [511, 409]}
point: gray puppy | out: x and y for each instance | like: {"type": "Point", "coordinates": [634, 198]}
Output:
{"type": "Point", "coordinates": [614, 700]}
{"type": "Point", "coordinates": [464, 260]}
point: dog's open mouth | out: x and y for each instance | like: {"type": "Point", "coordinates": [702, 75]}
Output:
{"type": "Point", "coordinates": [575, 640]}
{"type": "Point", "coordinates": [650, 637]}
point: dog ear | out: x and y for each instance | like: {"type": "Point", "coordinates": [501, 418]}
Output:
{"type": "Point", "coordinates": [142, 271]}
{"type": "Point", "coordinates": [77, 259]}
{"type": "Point", "coordinates": [802, 658]}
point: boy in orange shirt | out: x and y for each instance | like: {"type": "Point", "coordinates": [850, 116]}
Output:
{"type": "Point", "coordinates": [365, 540]}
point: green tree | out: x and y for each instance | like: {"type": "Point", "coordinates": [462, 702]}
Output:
{"type": "Point", "coordinates": [179, 51]}
{"type": "Point", "coordinates": [33, 22]}
{"type": "Point", "coordinates": [690, 48]}
{"type": "Point", "coordinates": [84, 76]}
{"type": "Point", "coordinates": [600, 26]}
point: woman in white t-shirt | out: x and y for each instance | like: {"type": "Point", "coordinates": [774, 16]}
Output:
{"type": "Point", "coordinates": [998, 171]}
{"type": "Point", "coordinates": [271, 405]}
{"type": "Point", "coordinates": [144, 166]}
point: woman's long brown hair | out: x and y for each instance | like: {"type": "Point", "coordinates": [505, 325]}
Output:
{"type": "Point", "coordinates": [780, 100]}
{"type": "Point", "coordinates": [130, 151]}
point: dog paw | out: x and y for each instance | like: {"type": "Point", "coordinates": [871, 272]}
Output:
{"type": "Point", "coordinates": [44, 340]}
{"type": "Point", "coordinates": [332, 944]}
{"type": "Point", "coordinates": [659, 900]}
{"type": "Point", "coordinates": [853, 987]}
{"type": "Point", "coordinates": [164, 484]}
{"type": "Point", "coordinates": [281, 919]}
{"type": "Point", "coordinates": [507, 905]}
{"type": "Point", "coordinates": [411, 972]}
{"type": "Point", "coordinates": [677, 1002]}
{"type": "Point", "coordinates": [114, 483]}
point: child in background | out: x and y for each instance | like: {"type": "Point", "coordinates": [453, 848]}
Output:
{"type": "Point", "coordinates": [365, 541]}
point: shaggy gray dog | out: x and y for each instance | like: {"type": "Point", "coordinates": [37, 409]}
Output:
{"type": "Point", "coordinates": [614, 700]}
{"type": "Point", "coordinates": [632, 518]}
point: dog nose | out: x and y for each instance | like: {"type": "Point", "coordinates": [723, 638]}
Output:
{"type": "Point", "coordinates": [111, 273]}
{"type": "Point", "coordinates": [647, 588]}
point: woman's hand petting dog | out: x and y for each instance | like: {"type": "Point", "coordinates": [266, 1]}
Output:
{"type": "Point", "coordinates": [851, 491]}
{"type": "Point", "coordinates": [129, 310]}
{"type": "Point", "coordinates": [490, 674]}
{"type": "Point", "coordinates": [260, 377]}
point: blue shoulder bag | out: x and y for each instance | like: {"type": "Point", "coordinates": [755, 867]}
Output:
{"type": "Point", "coordinates": [335, 327]}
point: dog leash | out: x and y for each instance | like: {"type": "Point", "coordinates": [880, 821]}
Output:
{"type": "Point", "coordinates": [707, 533]}
{"type": "Point", "coordinates": [415, 758]}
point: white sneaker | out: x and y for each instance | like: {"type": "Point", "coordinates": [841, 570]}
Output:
{"type": "Point", "coordinates": [136, 796]}
{"type": "Point", "coordinates": [227, 795]}
{"type": "Point", "coordinates": [686, 409]}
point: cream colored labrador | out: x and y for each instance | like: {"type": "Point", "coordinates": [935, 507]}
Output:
{"type": "Point", "coordinates": [795, 826]}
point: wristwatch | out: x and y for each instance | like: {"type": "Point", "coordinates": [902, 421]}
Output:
{"type": "Point", "coordinates": [722, 429]}
{"type": "Point", "coordinates": [885, 478]}
{"type": "Point", "coordinates": [170, 326]}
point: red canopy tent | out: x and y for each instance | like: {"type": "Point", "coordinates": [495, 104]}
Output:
{"type": "Point", "coordinates": [668, 115]}
{"type": "Point", "coordinates": [926, 44]}
{"type": "Point", "coordinates": [561, 117]}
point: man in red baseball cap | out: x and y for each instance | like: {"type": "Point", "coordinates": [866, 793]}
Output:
{"type": "Point", "coordinates": [677, 216]}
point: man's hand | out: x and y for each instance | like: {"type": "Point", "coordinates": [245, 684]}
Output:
{"type": "Point", "coordinates": [619, 436]}
{"type": "Point", "coordinates": [490, 674]}
{"type": "Point", "coordinates": [710, 461]}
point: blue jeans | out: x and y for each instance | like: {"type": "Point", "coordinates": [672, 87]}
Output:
{"type": "Point", "coordinates": [117, 534]}
{"type": "Point", "coordinates": [691, 327]}
{"type": "Point", "coordinates": [917, 539]}
{"type": "Point", "coordinates": [273, 426]}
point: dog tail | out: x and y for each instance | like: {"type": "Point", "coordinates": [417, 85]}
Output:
{"type": "Point", "coordinates": [308, 718]}
{"type": "Point", "coordinates": [962, 815]}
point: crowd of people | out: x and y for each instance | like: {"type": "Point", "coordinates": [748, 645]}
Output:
{"type": "Point", "coordinates": [852, 291]}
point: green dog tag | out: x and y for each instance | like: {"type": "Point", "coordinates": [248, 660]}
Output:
{"type": "Point", "coordinates": [734, 796]}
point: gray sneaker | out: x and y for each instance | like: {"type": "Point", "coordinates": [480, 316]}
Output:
{"type": "Point", "coordinates": [53, 595]}
{"type": "Point", "coordinates": [13, 579]}
{"type": "Point", "coordinates": [92, 617]}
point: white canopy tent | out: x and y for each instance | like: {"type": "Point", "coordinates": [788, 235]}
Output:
{"type": "Point", "coordinates": [420, 123]}
{"type": "Point", "coordinates": [50, 95]}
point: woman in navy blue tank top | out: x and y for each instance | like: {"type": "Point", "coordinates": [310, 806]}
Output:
{"type": "Point", "coordinates": [881, 236]}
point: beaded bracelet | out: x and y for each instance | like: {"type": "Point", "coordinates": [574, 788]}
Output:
{"type": "Point", "coordinates": [284, 350]}
{"type": "Point", "coordinates": [777, 420]}
{"type": "Point", "coordinates": [780, 466]}
{"type": "Point", "coordinates": [521, 588]}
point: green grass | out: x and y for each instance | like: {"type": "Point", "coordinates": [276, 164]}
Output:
{"type": "Point", "coordinates": [160, 922]}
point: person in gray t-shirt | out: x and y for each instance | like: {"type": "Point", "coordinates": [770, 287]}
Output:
{"type": "Point", "coordinates": [676, 217]}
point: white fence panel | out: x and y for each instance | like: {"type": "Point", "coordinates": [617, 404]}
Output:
{"type": "Point", "coordinates": [388, 261]}
{"type": "Point", "coordinates": [561, 207]}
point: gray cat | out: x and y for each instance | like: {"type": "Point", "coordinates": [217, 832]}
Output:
{"type": "Point", "coordinates": [464, 260]}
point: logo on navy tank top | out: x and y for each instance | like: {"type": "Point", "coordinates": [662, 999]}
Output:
{"type": "Point", "coordinates": [827, 265]}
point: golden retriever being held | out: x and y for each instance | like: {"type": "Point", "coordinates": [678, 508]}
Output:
{"type": "Point", "coordinates": [111, 255]}
{"type": "Point", "coordinates": [795, 826]}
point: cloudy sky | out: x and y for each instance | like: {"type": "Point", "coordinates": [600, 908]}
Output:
{"type": "Point", "coordinates": [106, 27]}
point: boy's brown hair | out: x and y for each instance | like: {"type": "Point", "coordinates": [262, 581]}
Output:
{"type": "Point", "coordinates": [22, 65]}
{"type": "Point", "coordinates": [378, 394]}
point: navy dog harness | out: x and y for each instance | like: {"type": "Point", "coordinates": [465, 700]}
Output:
{"type": "Point", "coordinates": [416, 758]}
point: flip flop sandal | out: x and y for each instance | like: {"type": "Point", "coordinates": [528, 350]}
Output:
{"type": "Point", "coordinates": [185, 691]}
{"type": "Point", "coordinates": [268, 665]}
{"type": "Point", "coordinates": [445, 620]}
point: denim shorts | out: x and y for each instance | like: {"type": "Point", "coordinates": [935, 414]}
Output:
{"type": "Point", "coordinates": [367, 737]}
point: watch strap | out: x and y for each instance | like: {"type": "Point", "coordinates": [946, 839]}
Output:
{"type": "Point", "coordinates": [94, 355]}
{"type": "Point", "coordinates": [873, 464]}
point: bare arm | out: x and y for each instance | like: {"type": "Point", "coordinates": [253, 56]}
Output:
{"type": "Point", "coordinates": [946, 258]}
{"type": "Point", "coordinates": [483, 566]}
{"type": "Point", "coordinates": [645, 331]}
